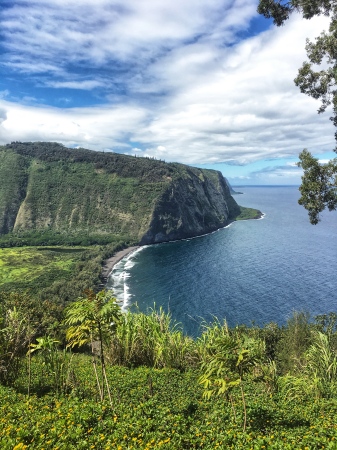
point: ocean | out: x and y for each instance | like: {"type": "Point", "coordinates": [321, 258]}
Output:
{"type": "Point", "coordinates": [250, 272]}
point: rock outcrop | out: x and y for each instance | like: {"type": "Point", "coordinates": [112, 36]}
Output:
{"type": "Point", "coordinates": [191, 206]}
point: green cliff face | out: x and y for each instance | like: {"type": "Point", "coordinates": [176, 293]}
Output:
{"type": "Point", "coordinates": [195, 203]}
{"type": "Point", "coordinates": [45, 187]}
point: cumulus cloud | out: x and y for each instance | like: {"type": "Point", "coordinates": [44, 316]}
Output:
{"type": "Point", "coordinates": [244, 106]}
{"type": "Point", "coordinates": [3, 115]}
{"type": "Point", "coordinates": [177, 81]}
{"type": "Point", "coordinates": [95, 128]}
{"type": "Point", "coordinates": [94, 32]}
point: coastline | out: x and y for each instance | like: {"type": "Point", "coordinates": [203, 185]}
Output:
{"type": "Point", "coordinates": [109, 263]}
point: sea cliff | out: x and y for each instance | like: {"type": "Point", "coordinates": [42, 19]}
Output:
{"type": "Point", "coordinates": [48, 190]}
{"type": "Point", "coordinates": [194, 204]}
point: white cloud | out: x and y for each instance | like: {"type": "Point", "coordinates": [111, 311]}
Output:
{"type": "Point", "coordinates": [324, 161]}
{"type": "Point", "coordinates": [187, 89]}
{"type": "Point", "coordinates": [95, 128]}
{"type": "Point", "coordinates": [3, 115]}
{"type": "Point", "coordinates": [95, 32]}
{"type": "Point", "coordinates": [85, 85]}
{"type": "Point", "coordinates": [242, 105]}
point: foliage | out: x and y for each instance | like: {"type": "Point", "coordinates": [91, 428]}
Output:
{"type": "Point", "coordinates": [151, 340]}
{"type": "Point", "coordinates": [318, 186]}
{"type": "Point", "coordinates": [321, 363]}
{"type": "Point", "coordinates": [57, 363]}
{"type": "Point", "coordinates": [60, 196]}
{"type": "Point", "coordinates": [318, 189]}
{"type": "Point", "coordinates": [77, 196]}
{"type": "Point", "coordinates": [91, 319]}
{"type": "Point", "coordinates": [172, 415]}
{"type": "Point", "coordinates": [58, 274]}
{"type": "Point", "coordinates": [43, 317]}
{"type": "Point", "coordinates": [20, 267]}
{"type": "Point", "coordinates": [13, 174]}
{"type": "Point", "coordinates": [14, 338]}
{"type": "Point", "coordinates": [295, 340]}
{"type": "Point", "coordinates": [283, 402]}
{"type": "Point", "coordinates": [22, 319]}
{"type": "Point", "coordinates": [248, 213]}
{"type": "Point", "coordinates": [122, 165]}
{"type": "Point", "coordinates": [232, 355]}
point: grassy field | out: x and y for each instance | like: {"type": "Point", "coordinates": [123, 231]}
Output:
{"type": "Point", "coordinates": [23, 265]}
{"type": "Point", "coordinates": [56, 273]}
{"type": "Point", "coordinates": [27, 263]}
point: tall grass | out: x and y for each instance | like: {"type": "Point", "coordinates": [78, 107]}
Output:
{"type": "Point", "coordinates": [151, 340]}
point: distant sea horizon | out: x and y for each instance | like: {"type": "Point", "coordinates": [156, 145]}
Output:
{"type": "Point", "coordinates": [249, 272]}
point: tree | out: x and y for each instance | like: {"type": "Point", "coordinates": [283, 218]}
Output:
{"type": "Point", "coordinates": [91, 319]}
{"type": "Point", "coordinates": [319, 182]}
{"type": "Point", "coordinates": [318, 186]}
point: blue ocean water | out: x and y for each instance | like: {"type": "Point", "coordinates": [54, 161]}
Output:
{"type": "Point", "coordinates": [253, 271]}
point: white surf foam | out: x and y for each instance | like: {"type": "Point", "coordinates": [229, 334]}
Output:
{"type": "Point", "coordinates": [118, 277]}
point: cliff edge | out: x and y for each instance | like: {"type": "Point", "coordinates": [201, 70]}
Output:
{"type": "Point", "coordinates": [82, 196]}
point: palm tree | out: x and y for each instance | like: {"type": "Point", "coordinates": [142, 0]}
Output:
{"type": "Point", "coordinates": [91, 319]}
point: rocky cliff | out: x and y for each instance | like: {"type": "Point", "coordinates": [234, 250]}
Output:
{"type": "Point", "coordinates": [194, 204]}
{"type": "Point", "coordinates": [46, 188]}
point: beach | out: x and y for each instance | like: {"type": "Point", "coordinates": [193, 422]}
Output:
{"type": "Point", "coordinates": [109, 263]}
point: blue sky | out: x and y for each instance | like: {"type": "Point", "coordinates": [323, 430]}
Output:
{"type": "Point", "coordinates": [202, 82]}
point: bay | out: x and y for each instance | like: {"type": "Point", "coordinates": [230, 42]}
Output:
{"type": "Point", "coordinates": [254, 271]}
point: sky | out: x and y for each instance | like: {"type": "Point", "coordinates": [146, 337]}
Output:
{"type": "Point", "coordinates": [202, 82]}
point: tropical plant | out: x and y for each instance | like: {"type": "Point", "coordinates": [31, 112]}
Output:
{"type": "Point", "coordinates": [92, 320]}
{"type": "Point", "coordinates": [56, 362]}
{"type": "Point", "coordinates": [151, 340]}
{"type": "Point", "coordinates": [295, 340]}
{"type": "Point", "coordinates": [296, 389]}
{"type": "Point", "coordinates": [232, 356]}
{"type": "Point", "coordinates": [321, 362]}
{"type": "Point", "coordinates": [14, 339]}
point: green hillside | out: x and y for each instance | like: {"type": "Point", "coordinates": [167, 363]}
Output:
{"type": "Point", "coordinates": [50, 194]}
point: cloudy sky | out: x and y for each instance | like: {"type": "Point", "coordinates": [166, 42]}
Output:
{"type": "Point", "coordinates": [203, 82]}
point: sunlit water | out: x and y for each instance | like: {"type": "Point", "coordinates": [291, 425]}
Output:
{"type": "Point", "coordinates": [252, 271]}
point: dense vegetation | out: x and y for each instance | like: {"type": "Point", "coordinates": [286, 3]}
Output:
{"type": "Point", "coordinates": [248, 214]}
{"type": "Point", "coordinates": [75, 196]}
{"type": "Point", "coordinates": [141, 383]}
{"type": "Point", "coordinates": [80, 374]}
{"type": "Point", "coordinates": [56, 273]}
{"type": "Point", "coordinates": [52, 195]}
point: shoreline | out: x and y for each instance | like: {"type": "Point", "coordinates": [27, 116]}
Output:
{"type": "Point", "coordinates": [109, 263]}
